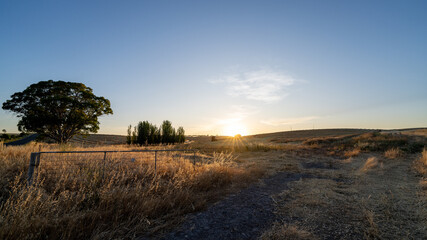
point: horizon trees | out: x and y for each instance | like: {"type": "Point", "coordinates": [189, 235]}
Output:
{"type": "Point", "coordinates": [146, 133]}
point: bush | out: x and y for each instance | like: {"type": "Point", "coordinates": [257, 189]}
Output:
{"type": "Point", "coordinates": [5, 136]}
{"type": "Point", "coordinates": [393, 153]}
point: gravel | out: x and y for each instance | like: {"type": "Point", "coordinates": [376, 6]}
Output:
{"type": "Point", "coordinates": [244, 215]}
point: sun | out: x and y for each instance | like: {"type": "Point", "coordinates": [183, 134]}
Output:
{"type": "Point", "coordinates": [235, 129]}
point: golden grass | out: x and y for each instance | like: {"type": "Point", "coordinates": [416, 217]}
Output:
{"type": "Point", "coordinates": [81, 197]}
{"type": "Point", "coordinates": [420, 164]}
{"type": "Point", "coordinates": [244, 144]}
{"type": "Point", "coordinates": [371, 163]}
{"type": "Point", "coordinates": [352, 153]}
{"type": "Point", "coordinates": [393, 153]}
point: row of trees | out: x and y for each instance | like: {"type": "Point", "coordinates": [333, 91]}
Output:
{"type": "Point", "coordinates": [146, 133]}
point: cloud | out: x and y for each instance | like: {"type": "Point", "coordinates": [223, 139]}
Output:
{"type": "Point", "coordinates": [288, 121]}
{"type": "Point", "coordinates": [265, 86]}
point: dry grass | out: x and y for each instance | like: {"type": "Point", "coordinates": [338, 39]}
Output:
{"type": "Point", "coordinates": [78, 198]}
{"type": "Point", "coordinates": [420, 164]}
{"type": "Point", "coordinates": [286, 232]}
{"type": "Point", "coordinates": [243, 144]}
{"type": "Point", "coordinates": [393, 153]}
{"type": "Point", "coordinates": [320, 208]}
{"type": "Point", "coordinates": [371, 230]}
{"type": "Point", "coordinates": [371, 163]}
{"type": "Point", "coordinates": [352, 153]}
{"type": "Point", "coordinates": [376, 200]}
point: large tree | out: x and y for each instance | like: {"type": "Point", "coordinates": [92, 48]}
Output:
{"type": "Point", "coordinates": [58, 109]}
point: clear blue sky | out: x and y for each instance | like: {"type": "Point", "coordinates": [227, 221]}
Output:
{"type": "Point", "coordinates": [217, 67]}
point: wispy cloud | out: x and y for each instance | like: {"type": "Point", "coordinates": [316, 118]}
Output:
{"type": "Point", "coordinates": [288, 121]}
{"type": "Point", "coordinates": [265, 86]}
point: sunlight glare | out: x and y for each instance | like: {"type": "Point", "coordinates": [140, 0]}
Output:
{"type": "Point", "coordinates": [234, 129]}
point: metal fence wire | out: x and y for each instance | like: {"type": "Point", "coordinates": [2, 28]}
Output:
{"type": "Point", "coordinates": [98, 164]}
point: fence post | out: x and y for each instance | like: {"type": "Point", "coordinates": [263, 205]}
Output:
{"type": "Point", "coordinates": [155, 162]}
{"type": "Point", "coordinates": [31, 168]}
{"type": "Point", "coordinates": [194, 158]}
{"type": "Point", "coordinates": [103, 165]}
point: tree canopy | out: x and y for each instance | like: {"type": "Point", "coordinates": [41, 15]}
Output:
{"type": "Point", "coordinates": [58, 109]}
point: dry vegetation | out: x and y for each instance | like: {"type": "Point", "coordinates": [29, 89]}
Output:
{"type": "Point", "coordinates": [361, 185]}
{"type": "Point", "coordinates": [286, 232]}
{"type": "Point", "coordinates": [420, 164]}
{"type": "Point", "coordinates": [80, 197]}
{"type": "Point", "coordinates": [369, 191]}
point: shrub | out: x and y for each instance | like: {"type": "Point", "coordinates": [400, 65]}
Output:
{"type": "Point", "coordinates": [420, 164]}
{"type": "Point", "coordinates": [393, 153]}
{"type": "Point", "coordinates": [352, 153]}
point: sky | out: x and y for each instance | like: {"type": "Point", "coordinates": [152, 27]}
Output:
{"type": "Point", "coordinates": [226, 67]}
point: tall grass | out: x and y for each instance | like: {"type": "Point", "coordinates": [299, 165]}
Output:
{"type": "Point", "coordinates": [122, 198]}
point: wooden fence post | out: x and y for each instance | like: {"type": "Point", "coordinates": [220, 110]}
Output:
{"type": "Point", "coordinates": [103, 165]}
{"type": "Point", "coordinates": [31, 168]}
{"type": "Point", "coordinates": [155, 162]}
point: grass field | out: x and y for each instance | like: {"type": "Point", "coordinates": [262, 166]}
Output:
{"type": "Point", "coordinates": [365, 184]}
{"type": "Point", "coordinates": [78, 198]}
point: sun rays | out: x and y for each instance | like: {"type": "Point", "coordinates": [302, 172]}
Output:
{"type": "Point", "coordinates": [235, 129]}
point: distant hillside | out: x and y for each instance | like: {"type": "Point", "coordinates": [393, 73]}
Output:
{"type": "Point", "coordinates": [98, 139]}
{"type": "Point", "coordinates": [301, 135]}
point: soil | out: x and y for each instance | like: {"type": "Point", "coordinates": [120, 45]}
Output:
{"type": "Point", "coordinates": [328, 197]}
{"type": "Point", "coordinates": [244, 215]}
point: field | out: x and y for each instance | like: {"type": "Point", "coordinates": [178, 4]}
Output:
{"type": "Point", "coordinates": [318, 184]}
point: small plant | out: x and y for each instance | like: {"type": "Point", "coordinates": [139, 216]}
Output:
{"type": "Point", "coordinates": [370, 163]}
{"type": "Point", "coordinates": [420, 164]}
{"type": "Point", "coordinates": [393, 153]}
{"type": "Point", "coordinates": [352, 153]}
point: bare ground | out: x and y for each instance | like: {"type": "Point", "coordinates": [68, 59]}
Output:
{"type": "Point", "coordinates": [321, 197]}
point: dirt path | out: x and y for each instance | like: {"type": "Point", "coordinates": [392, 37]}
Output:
{"type": "Point", "coordinates": [330, 199]}
{"type": "Point", "coordinates": [244, 215]}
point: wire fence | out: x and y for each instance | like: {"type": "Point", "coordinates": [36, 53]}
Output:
{"type": "Point", "coordinates": [99, 163]}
